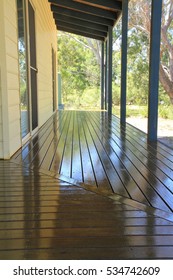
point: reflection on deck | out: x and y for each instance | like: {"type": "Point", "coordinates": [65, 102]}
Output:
{"type": "Point", "coordinates": [97, 153]}
{"type": "Point", "coordinates": [114, 202]}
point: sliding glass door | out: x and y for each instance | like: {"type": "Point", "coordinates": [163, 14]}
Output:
{"type": "Point", "coordinates": [32, 65]}
{"type": "Point", "coordinates": [54, 80]}
{"type": "Point", "coordinates": [27, 67]}
{"type": "Point", "coordinates": [22, 49]}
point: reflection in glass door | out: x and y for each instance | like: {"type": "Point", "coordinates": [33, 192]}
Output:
{"type": "Point", "coordinates": [24, 97]}
{"type": "Point", "coordinates": [33, 66]}
{"type": "Point", "coordinates": [54, 80]}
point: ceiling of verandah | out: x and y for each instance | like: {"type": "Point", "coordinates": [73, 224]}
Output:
{"type": "Point", "coordinates": [89, 18]}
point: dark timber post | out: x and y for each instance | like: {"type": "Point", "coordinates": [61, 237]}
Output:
{"type": "Point", "coordinates": [124, 61]}
{"type": "Point", "coordinates": [106, 74]}
{"type": "Point", "coordinates": [110, 72]}
{"type": "Point", "coordinates": [59, 92]}
{"type": "Point", "coordinates": [156, 15]}
{"type": "Point", "coordinates": [102, 76]}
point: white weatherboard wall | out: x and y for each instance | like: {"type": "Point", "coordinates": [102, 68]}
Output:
{"type": "Point", "coordinates": [46, 38]}
{"type": "Point", "coordinates": [1, 141]}
{"type": "Point", "coordinates": [10, 139]}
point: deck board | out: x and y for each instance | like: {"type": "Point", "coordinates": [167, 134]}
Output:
{"type": "Point", "coordinates": [44, 218]}
{"type": "Point", "coordinates": [97, 151]}
{"type": "Point", "coordinates": [151, 156]}
{"type": "Point", "coordinates": [77, 168]}
{"type": "Point", "coordinates": [86, 162]}
{"type": "Point", "coordinates": [59, 150]}
{"type": "Point", "coordinates": [99, 171]}
{"type": "Point", "coordinates": [109, 168]}
{"type": "Point", "coordinates": [58, 126]}
{"type": "Point", "coordinates": [139, 173]}
{"type": "Point", "coordinates": [111, 211]}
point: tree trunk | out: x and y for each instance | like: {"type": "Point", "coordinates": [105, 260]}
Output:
{"type": "Point", "coordinates": [166, 82]}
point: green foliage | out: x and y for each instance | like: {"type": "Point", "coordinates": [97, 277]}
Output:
{"type": "Point", "coordinates": [138, 68]}
{"type": "Point", "coordinates": [166, 111]}
{"type": "Point", "coordinates": [90, 100]}
{"type": "Point", "coordinates": [133, 110]}
{"type": "Point", "coordinates": [23, 73]}
{"type": "Point", "coordinates": [115, 94]}
{"type": "Point", "coordinates": [79, 69]}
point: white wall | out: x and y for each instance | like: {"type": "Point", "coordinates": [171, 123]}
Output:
{"type": "Point", "coordinates": [10, 139]}
{"type": "Point", "coordinates": [1, 137]}
{"type": "Point", "coordinates": [46, 37]}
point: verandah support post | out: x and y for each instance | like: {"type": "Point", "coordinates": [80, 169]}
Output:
{"type": "Point", "coordinates": [106, 73]}
{"type": "Point", "coordinates": [60, 106]}
{"type": "Point", "coordinates": [102, 76]}
{"type": "Point", "coordinates": [155, 35]}
{"type": "Point", "coordinates": [110, 71]}
{"type": "Point", "coordinates": [124, 61]}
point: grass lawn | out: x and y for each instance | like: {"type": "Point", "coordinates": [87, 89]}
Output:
{"type": "Point", "coordinates": [165, 112]}
{"type": "Point", "coordinates": [132, 110]}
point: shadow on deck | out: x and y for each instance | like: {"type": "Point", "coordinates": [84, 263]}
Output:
{"type": "Point", "coordinates": [85, 188]}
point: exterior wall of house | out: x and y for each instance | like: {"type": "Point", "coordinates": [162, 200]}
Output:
{"type": "Point", "coordinates": [10, 139]}
{"type": "Point", "coordinates": [46, 38]}
{"type": "Point", "coordinates": [1, 49]}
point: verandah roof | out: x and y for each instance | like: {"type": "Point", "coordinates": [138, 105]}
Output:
{"type": "Point", "coordinates": [89, 18]}
{"type": "Point", "coordinates": [95, 19]}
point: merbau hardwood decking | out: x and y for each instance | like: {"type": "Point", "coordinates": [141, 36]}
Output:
{"type": "Point", "coordinates": [99, 154]}
{"type": "Point", "coordinates": [44, 218]}
{"type": "Point", "coordinates": [85, 188]}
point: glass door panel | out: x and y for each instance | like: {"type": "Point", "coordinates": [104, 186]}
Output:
{"type": "Point", "coordinates": [54, 80]}
{"type": "Point", "coordinates": [33, 66]}
{"type": "Point", "coordinates": [24, 97]}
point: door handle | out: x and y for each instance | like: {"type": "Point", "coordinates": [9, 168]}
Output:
{"type": "Point", "coordinates": [33, 68]}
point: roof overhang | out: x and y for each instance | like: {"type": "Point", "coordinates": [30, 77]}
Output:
{"type": "Point", "coordinates": [89, 18]}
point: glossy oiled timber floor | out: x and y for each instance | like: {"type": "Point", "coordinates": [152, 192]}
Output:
{"type": "Point", "coordinates": [42, 217]}
{"type": "Point", "coordinates": [90, 150]}
{"type": "Point", "coordinates": [84, 187]}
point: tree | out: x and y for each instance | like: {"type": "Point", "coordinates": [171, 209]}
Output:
{"type": "Point", "coordinates": [140, 15]}
{"type": "Point", "coordinates": [89, 52]}
{"type": "Point", "coordinates": [78, 62]}
{"type": "Point", "coordinates": [72, 65]}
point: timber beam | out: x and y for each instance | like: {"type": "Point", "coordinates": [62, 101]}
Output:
{"type": "Point", "coordinates": [73, 31]}
{"type": "Point", "coordinates": [84, 8]}
{"type": "Point", "coordinates": [80, 23]}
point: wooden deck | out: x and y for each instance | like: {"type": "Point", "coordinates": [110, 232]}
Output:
{"type": "Point", "coordinates": [88, 149]}
{"type": "Point", "coordinates": [85, 188]}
